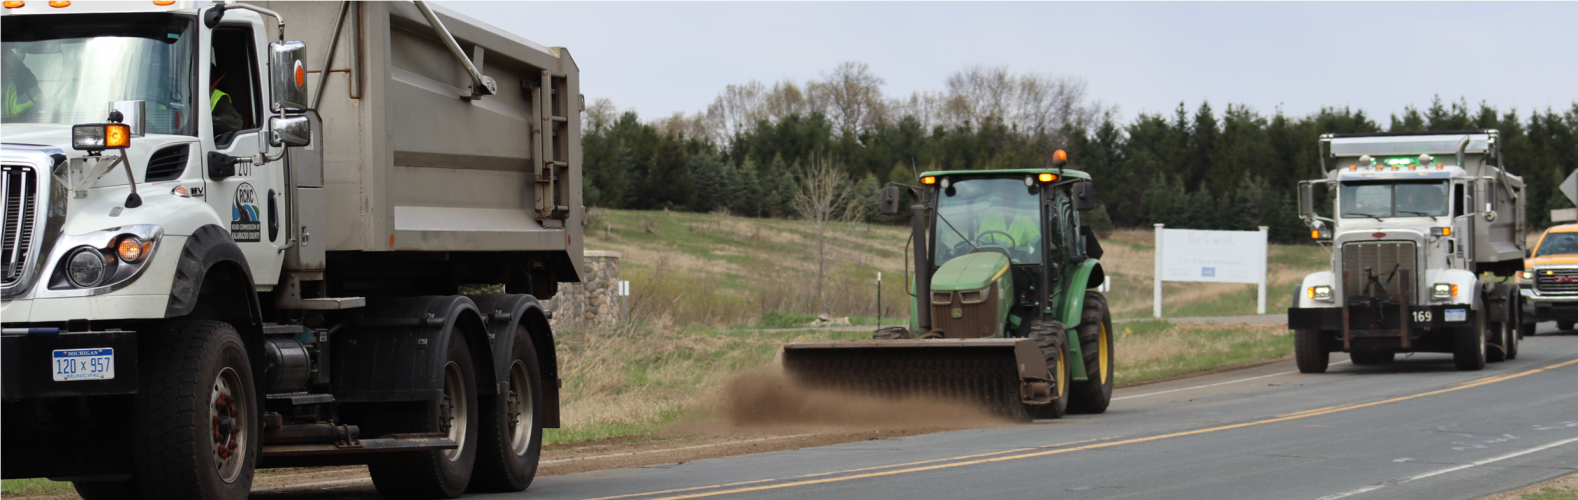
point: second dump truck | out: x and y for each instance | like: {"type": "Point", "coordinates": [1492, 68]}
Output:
{"type": "Point", "coordinates": [1004, 310]}
{"type": "Point", "coordinates": [1420, 227]}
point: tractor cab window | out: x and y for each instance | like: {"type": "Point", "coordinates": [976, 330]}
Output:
{"type": "Point", "coordinates": [989, 215]}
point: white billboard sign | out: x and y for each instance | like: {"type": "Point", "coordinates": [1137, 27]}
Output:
{"type": "Point", "coordinates": [1210, 256]}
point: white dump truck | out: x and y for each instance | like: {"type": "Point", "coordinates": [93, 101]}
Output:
{"type": "Point", "coordinates": [276, 235]}
{"type": "Point", "coordinates": [1420, 227]}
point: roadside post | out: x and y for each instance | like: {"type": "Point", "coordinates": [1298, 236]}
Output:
{"type": "Point", "coordinates": [1211, 257]}
{"type": "Point", "coordinates": [624, 309]}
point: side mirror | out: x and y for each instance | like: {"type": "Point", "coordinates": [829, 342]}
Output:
{"type": "Point", "coordinates": [288, 76]}
{"type": "Point", "coordinates": [133, 114]}
{"type": "Point", "coordinates": [289, 131]}
{"type": "Point", "coordinates": [1085, 196]}
{"type": "Point", "coordinates": [213, 15]}
{"type": "Point", "coordinates": [890, 200]}
{"type": "Point", "coordinates": [1306, 200]}
{"type": "Point", "coordinates": [1528, 253]}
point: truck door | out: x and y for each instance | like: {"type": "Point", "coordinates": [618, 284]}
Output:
{"type": "Point", "coordinates": [252, 195]}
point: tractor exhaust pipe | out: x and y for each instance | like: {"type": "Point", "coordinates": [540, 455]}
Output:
{"type": "Point", "coordinates": [922, 269]}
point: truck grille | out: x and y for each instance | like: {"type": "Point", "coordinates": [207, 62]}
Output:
{"type": "Point", "coordinates": [20, 187]}
{"type": "Point", "coordinates": [1381, 256]}
{"type": "Point", "coordinates": [1556, 280]}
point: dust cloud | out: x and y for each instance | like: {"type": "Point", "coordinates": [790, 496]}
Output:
{"type": "Point", "coordinates": [770, 399]}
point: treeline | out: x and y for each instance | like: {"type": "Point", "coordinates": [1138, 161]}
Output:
{"type": "Point", "coordinates": [1200, 169]}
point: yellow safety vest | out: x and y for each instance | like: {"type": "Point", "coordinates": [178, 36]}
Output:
{"type": "Point", "coordinates": [213, 99]}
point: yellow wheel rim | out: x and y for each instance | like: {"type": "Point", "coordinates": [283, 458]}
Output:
{"type": "Point", "coordinates": [1062, 370]}
{"type": "Point", "coordinates": [1102, 348]}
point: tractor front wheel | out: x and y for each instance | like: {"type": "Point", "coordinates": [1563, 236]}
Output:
{"type": "Point", "coordinates": [1095, 345]}
{"type": "Point", "coordinates": [1052, 338]}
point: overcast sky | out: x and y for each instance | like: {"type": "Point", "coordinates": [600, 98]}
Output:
{"type": "Point", "coordinates": [659, 57]}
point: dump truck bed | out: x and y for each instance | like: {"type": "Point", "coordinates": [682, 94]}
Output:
{"type": "Point", "coordinates": [410, 165]}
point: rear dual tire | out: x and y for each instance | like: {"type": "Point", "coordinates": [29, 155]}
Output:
{"type": "Point", "coordinates": [436, 473]}
{"type": "Point", "coordinates": [511, 433]}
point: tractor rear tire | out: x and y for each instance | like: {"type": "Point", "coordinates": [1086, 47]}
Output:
{"type": "Point", "coordinates": [1052, 338]}
{"type": "Point", "coordinates": [1309, 352]}
{"type": "Point", "coordinates": [1095, 346]}
{"type": "Point", "coordinates": [436, 473]}
{"type": "Point", "coordinates": [196, 412]}
{"type": "Point", "coordinates": [511, 435]}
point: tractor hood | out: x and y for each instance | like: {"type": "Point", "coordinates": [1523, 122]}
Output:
{"type": "Point", "coordinates": [970, 272]}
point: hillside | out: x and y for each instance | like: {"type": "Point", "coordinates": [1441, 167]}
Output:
{"type": "Point", "coordinates": [718, 270]}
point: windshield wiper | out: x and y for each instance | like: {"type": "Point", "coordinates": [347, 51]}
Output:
{"type": "Point", "coordinates": [1416, 212]}
{"type": "Point", "coordinates": [1375, 216]}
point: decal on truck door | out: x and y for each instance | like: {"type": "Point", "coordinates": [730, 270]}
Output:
{"type": "Point", "coordinates": [245, 225]}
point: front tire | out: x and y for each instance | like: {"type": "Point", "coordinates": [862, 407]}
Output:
{"type": "Point", "coordinates": [196, 414]}
{"type": "Point", "coordinates": [437, 473]}
{"type": "Point", "coordinates": [1565, 326]}
{"type": "Point", "coordinates": [511, 434]}
{"type": "Point", "coordinates": [1468, 346]}
{"type": "Point", "coordinates": [1095, 346]}
{"type": "Point", "coordinates": [1052, 338]}
{"type": "Point", "coordinates": [1309, 353]}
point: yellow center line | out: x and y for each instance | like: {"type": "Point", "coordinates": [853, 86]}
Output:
{"type": "Point", "coordinates": [1280, 418]}
{"type": "Point", "coordinates": [758, 481]}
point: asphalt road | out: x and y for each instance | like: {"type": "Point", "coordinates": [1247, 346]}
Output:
{"type": "Point", "coordinates": [1416, 428]}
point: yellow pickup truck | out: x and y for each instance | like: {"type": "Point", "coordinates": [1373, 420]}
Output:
{"type": "Point", "coordinates": [1549, 281]}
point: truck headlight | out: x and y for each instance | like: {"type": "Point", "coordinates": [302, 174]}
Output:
{"type": "Point", "coordinates": [1321, 292]}
{"type": "Point", "coordinates": [1443, 290]}
{"type": "Point", "coordinates": [85, 267]}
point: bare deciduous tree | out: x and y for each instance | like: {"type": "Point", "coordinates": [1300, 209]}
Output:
{"type": "Point", "coordinates": [853, 96]}
{"type": "Point", "coordinates": [600, 114]}
{"type": "Point", "coordinates": [735, 110]}
{"type": "Point", "coordinates": [783, 100]}
{"type": "Point", "coordinates": [821, 199]}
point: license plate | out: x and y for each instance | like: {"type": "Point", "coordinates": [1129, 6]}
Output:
{"type": "Point", "coordinates": [1456, 314]}
{"type": "Point", "coordinates": [84, 364]}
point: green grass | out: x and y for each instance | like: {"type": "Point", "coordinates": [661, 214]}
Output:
{"type": "Point", "coordinates": [35, 487]}
{"type": "Point", "coordinates": [1151, 350]}
{"type": "Point", "coordinates": [1549, 493]}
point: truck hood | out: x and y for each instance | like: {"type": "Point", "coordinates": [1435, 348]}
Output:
{"type": "Point", "coordinates": [38, 134]}
{"type": "Point", "coordinates": [1551, 260]}
{"type": "Point", "coordinates": [970, 272]}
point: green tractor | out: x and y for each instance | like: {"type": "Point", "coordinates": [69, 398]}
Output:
{"type": "Point", "coordinates": [1006, 310]}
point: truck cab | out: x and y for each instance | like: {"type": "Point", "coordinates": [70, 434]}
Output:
{"type": "Point", "coordinates": [1415, 220]}
{"type": "Point", "coordinates": [1549, 280]}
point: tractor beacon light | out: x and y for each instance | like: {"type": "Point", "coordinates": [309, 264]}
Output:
{"type": "Point", "coordinates": [929, 180]}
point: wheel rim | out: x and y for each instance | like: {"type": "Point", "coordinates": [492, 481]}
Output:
{"type": "Point", "coordinates": [227, 406]}
{"type": "Point", "coordinates": [453, 410]}
{"type": "Point", "coordinates": [1062, 374]}
{"type": "Point", "coordinates": [519, 408]}
{"type": "Point", "coordinates": [1102, 345]}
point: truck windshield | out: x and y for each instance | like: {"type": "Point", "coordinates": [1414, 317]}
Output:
{"type": "Point", "coordinates": [67, 69]}
{"type": "Point", "coordinates": [1394, 199]}
{"type": "Point", "coordinates": [989, 214]}
{"type": "Point", "coordinates": [1558, 244]}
